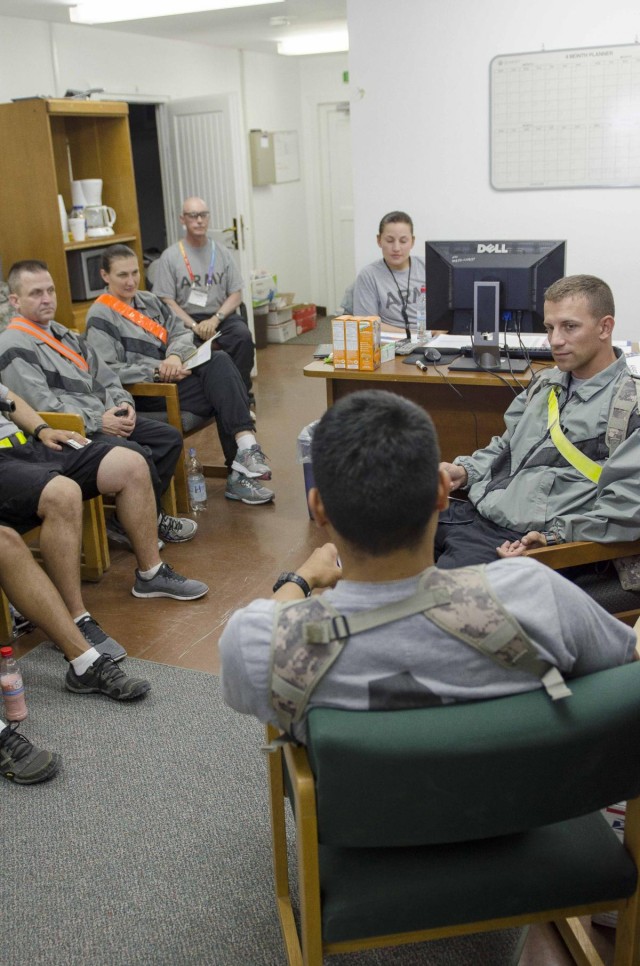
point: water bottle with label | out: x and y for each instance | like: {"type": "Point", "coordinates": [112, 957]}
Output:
{"type": "Point", "coordinates": [15, 705]}
{"type": "Point", "coordinates": [421, 317]}
{"type": "Point", "coordinates": [196, 483]}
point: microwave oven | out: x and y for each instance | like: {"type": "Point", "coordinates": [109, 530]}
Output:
{"type": "Point", "coordinates": [84, 274]}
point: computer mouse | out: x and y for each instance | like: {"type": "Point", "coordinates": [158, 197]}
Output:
{"type": "Point", "coordinates": [432, 355]}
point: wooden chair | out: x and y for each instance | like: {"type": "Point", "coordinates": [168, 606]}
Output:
{"type": "Point", "coordinates": [95, 549]}
{"type": "Point", "coordinates": [187, 423]}
{"type": "Point", "coordinates": [601, 583]}
{"type": "Point", "coordinates": [426, 823]}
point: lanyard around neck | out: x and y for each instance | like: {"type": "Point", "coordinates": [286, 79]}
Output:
{"type": "Point", "coordinates": [404, 297]}
{"type": "Point", "coordinates": [209, 275]}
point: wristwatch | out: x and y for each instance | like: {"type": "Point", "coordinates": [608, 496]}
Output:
{"type": "Point", "coordinates": [291, 578]}
{"type": "Point", "coordinates": [551, 538]}
{"type": "Point", "coordinates": [221, 316]}
{"type": "Point", "coordinates": [35, 433]}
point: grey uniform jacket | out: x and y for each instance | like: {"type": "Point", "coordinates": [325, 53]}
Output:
{"type": "Point", "coordinates": [51, 383]}
{"type": "Point", "coordinates": [522, 482]}
{"type": "Point", "coordinates": [132, 352]}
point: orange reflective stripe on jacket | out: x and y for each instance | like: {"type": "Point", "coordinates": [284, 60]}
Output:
{"type": "Point", "coordinates": [24, 325]}
{"type": "Point", "coordinates": [128, 312]}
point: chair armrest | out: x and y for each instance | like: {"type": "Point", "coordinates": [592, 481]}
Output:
{"type": "Point", "coordinates": [160, 390]}
{"type": "Point", "coordinates": [582, 552]}
{"type": "Point", "coordinates": [70, 421]}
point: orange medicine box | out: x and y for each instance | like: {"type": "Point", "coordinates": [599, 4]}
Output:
{"type": "Point", "coordinates": [339, 357]}
{"type": "Point", "coordinates": [368, 343]}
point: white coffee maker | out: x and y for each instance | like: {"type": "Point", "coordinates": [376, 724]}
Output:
{"type": "Point", "coordinates": [100, 219]}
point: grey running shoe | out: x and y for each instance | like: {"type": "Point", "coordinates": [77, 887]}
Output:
{"type": "Point", "coordinates": [240, 487]}
{"type": "Point", "coordinates": [105, 677]}
{"type": "Point", "coordinates": [252, 462]}
{"type": "Point", "coordinates": [96, 637]}
{"type": "Point", "coordinates": [117, 534]}
{"type": "Point", "coordinates": [167, 583]}
{"type": "Point", "coordinates": [23, 763]}
{"type": "Point", "coordinates": [176, 529]}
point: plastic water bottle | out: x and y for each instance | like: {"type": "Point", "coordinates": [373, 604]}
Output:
{"type": "Point", "coordinates": [196, 483]}
{"type": "Point", "coordinates": [421, 316]}
{"type": "Point", "coordinates": [15, 705]}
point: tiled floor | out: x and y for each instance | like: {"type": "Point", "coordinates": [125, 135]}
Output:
{"type": "Point", "coordinates": [239, 552]}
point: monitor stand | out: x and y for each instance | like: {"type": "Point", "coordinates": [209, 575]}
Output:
{"type": "Point", "coordinates": [507, 366]}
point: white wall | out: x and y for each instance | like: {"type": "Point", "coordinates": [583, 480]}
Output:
{"type": "Point", "coordinates": [421, 131]}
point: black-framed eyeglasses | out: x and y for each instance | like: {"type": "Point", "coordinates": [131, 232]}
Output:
{"type": "Point", "coordinates": [194, 215]}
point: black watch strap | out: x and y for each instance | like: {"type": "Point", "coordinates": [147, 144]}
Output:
{"type": "Point", "coordinates": [291, 578]}
{"type": "Point", "coordinates": [36, 432]}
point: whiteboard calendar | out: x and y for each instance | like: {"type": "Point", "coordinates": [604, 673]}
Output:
{"type": "Point", "coordinates": [566, 118]}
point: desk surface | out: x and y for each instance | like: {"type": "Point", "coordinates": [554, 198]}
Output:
{"type": "Point", "coordinates": [467, 408]}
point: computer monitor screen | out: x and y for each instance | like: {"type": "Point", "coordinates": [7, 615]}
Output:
{"type": "Point", "coordinates": [524, 269]}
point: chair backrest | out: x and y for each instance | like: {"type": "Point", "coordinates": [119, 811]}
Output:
{"type": "Point", "coordinates": [475, 770]}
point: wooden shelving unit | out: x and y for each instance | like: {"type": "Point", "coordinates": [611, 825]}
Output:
{"type": "Point", "coordinates": [39, 137]}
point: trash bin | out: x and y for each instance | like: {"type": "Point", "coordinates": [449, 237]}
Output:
{"type": "Point", "coordinates": [304, 457]}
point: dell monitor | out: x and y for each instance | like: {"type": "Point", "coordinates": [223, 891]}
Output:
{"type": "Point", "coordinates": [522, 269]}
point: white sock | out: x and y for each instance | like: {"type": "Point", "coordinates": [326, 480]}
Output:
{"type": "Point", "coordinates": [3, 725]}
{"type": "Point", "coordinates": [149, 574]}
{"type": "Point", "coordinates": [81, 617]}
{"type": "Point", "coordinates": [84, 662]}
{"type": "Point", "coordinates": [246, 441]}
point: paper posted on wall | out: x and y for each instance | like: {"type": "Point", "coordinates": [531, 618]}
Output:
{"type": "Point", "coordinates": [201, 354]}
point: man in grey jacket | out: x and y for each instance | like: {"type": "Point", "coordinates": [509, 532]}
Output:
{"type": "Point", "coordinates": [556, 474]}
{"type": "Point", "coordinates": [55, 371]}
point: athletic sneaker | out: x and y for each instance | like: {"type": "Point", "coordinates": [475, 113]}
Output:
{"type": "Point", "coordinates": [252, 462]}
{"type": "Point", "coordinates": [176, 529]}
{"type": "Point", "coordinates": [23, 763]}
{"type": "Point", "coordinates": [167, 583]}
{"type": "Point", "coordinates": [117, 534]}
{"type": "Point", "coordinates": [96, 637]}
{"type": "Point", "coordinates": [240, 487]}
{"type": "Point", "coordinates": [105, 677]}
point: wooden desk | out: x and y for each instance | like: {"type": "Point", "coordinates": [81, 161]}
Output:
{"type": "Point", "coordinates": [464, 422]}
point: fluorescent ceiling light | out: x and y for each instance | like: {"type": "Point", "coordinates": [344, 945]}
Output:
{"type": "Point", "coordinates": [112, 11]}
{"type": "Point", "coordinates": [319, 42]}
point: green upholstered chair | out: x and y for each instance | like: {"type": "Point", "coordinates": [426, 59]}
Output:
{"type": "Point", "coordinates": [426, 823]}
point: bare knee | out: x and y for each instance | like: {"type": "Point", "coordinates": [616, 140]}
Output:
{"type": "Point", "coordinates": [122, 467]}
{"type": "Point", "coordinates": [61, 497]}
{"type": "Point", "coordinates": [10, 542]}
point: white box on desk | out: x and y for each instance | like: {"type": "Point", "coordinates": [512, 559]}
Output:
{"type": "Point", "coordinates": [278, 316]}
{"type": "Point", "coordinates": [282, 332]}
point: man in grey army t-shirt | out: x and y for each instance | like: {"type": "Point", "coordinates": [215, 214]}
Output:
{"type": "Point", "coordinates": [199, 281]}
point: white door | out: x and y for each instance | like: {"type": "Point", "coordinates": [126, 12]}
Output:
{"type": "Point", "coordinates": [203, 153]}
{"type": "Point", "coordinates": [337, 200]}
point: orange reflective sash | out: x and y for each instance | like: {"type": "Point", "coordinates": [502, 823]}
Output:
{"type": "Point", "coordinates": [128, 312]}
{"type": "Point", "coordinates": [24, 325]}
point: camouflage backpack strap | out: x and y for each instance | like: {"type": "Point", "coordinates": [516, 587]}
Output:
{"type": "Point", "coordinates": [625, 401]}
{"type": "Point", "coordinates": [299, 657]}
{"type": "Point", "coordinates": [474, 615]}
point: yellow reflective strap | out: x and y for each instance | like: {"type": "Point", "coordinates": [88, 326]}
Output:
{"type": "Point", "coordinates": [9, 440]}
{"type": "Point", "coordinates": [565, 447]}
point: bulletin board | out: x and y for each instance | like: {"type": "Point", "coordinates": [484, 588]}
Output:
{"type": "Point", "coordinates": [566, 119]}
{"type": "Point", "coordinates": [287, 156]}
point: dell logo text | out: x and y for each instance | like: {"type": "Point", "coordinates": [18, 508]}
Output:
{"type": "Point", "coordinates": [492, 249]}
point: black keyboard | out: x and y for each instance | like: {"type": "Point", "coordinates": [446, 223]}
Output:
{"type": "Point", "coordinates": [535, 354]}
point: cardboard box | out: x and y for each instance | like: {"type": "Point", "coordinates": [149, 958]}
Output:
{"type": "Point", "coordinates": [339, 358]}
{"type": "Point", "coordinates": [351, 343]}
{"type": "Point", "coordinates": [387, 351]}
{"type": "Point", "coordinates": [282, 332]}
{"type": "Point", "coordinates": [368, 343]}
{"type": "Point", "coordinates": [278, 316]}
{"type": "Point", "coordinates": [305, 316]}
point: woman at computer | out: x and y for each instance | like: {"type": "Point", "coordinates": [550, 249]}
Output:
{"type": "Point", "coordinates": [390, 287]}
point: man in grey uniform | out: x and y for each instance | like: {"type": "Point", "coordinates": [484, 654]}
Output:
{"type": "Point", "coordinates": [380, 516]}
{"type": "Point", "coordinates": [199, 281]}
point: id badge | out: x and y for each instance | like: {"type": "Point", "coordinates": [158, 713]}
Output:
{"type": "Point", "coordinates": [197, 297]}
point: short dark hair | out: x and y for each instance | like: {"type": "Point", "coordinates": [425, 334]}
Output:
{"type": "Point", "coordinates": [375, 460]}
{"type": "Point", "coordinates": [597, 293]}
{"type": "Point", "coordinates": [18, 269]}
{"type": "Point", "coordinates": [110, 254]}
{"type": "Point", "coordinates": [395, 216]}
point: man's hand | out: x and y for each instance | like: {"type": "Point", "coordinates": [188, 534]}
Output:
{"type": "Point", "coordinates": [55, 438]}
{"type": "Point", "coordinates": [172, 370]}
{"type": "Point", "coordinates": [457, 475]}
{"type": "Point", "coordinates": [208, 327]}
{"type": "Point", "coordinates": [320, 570]}
{"type": "Point", "coordinates": [516, 548]}
{"type": "Point", "coordinates": [119, 425]}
